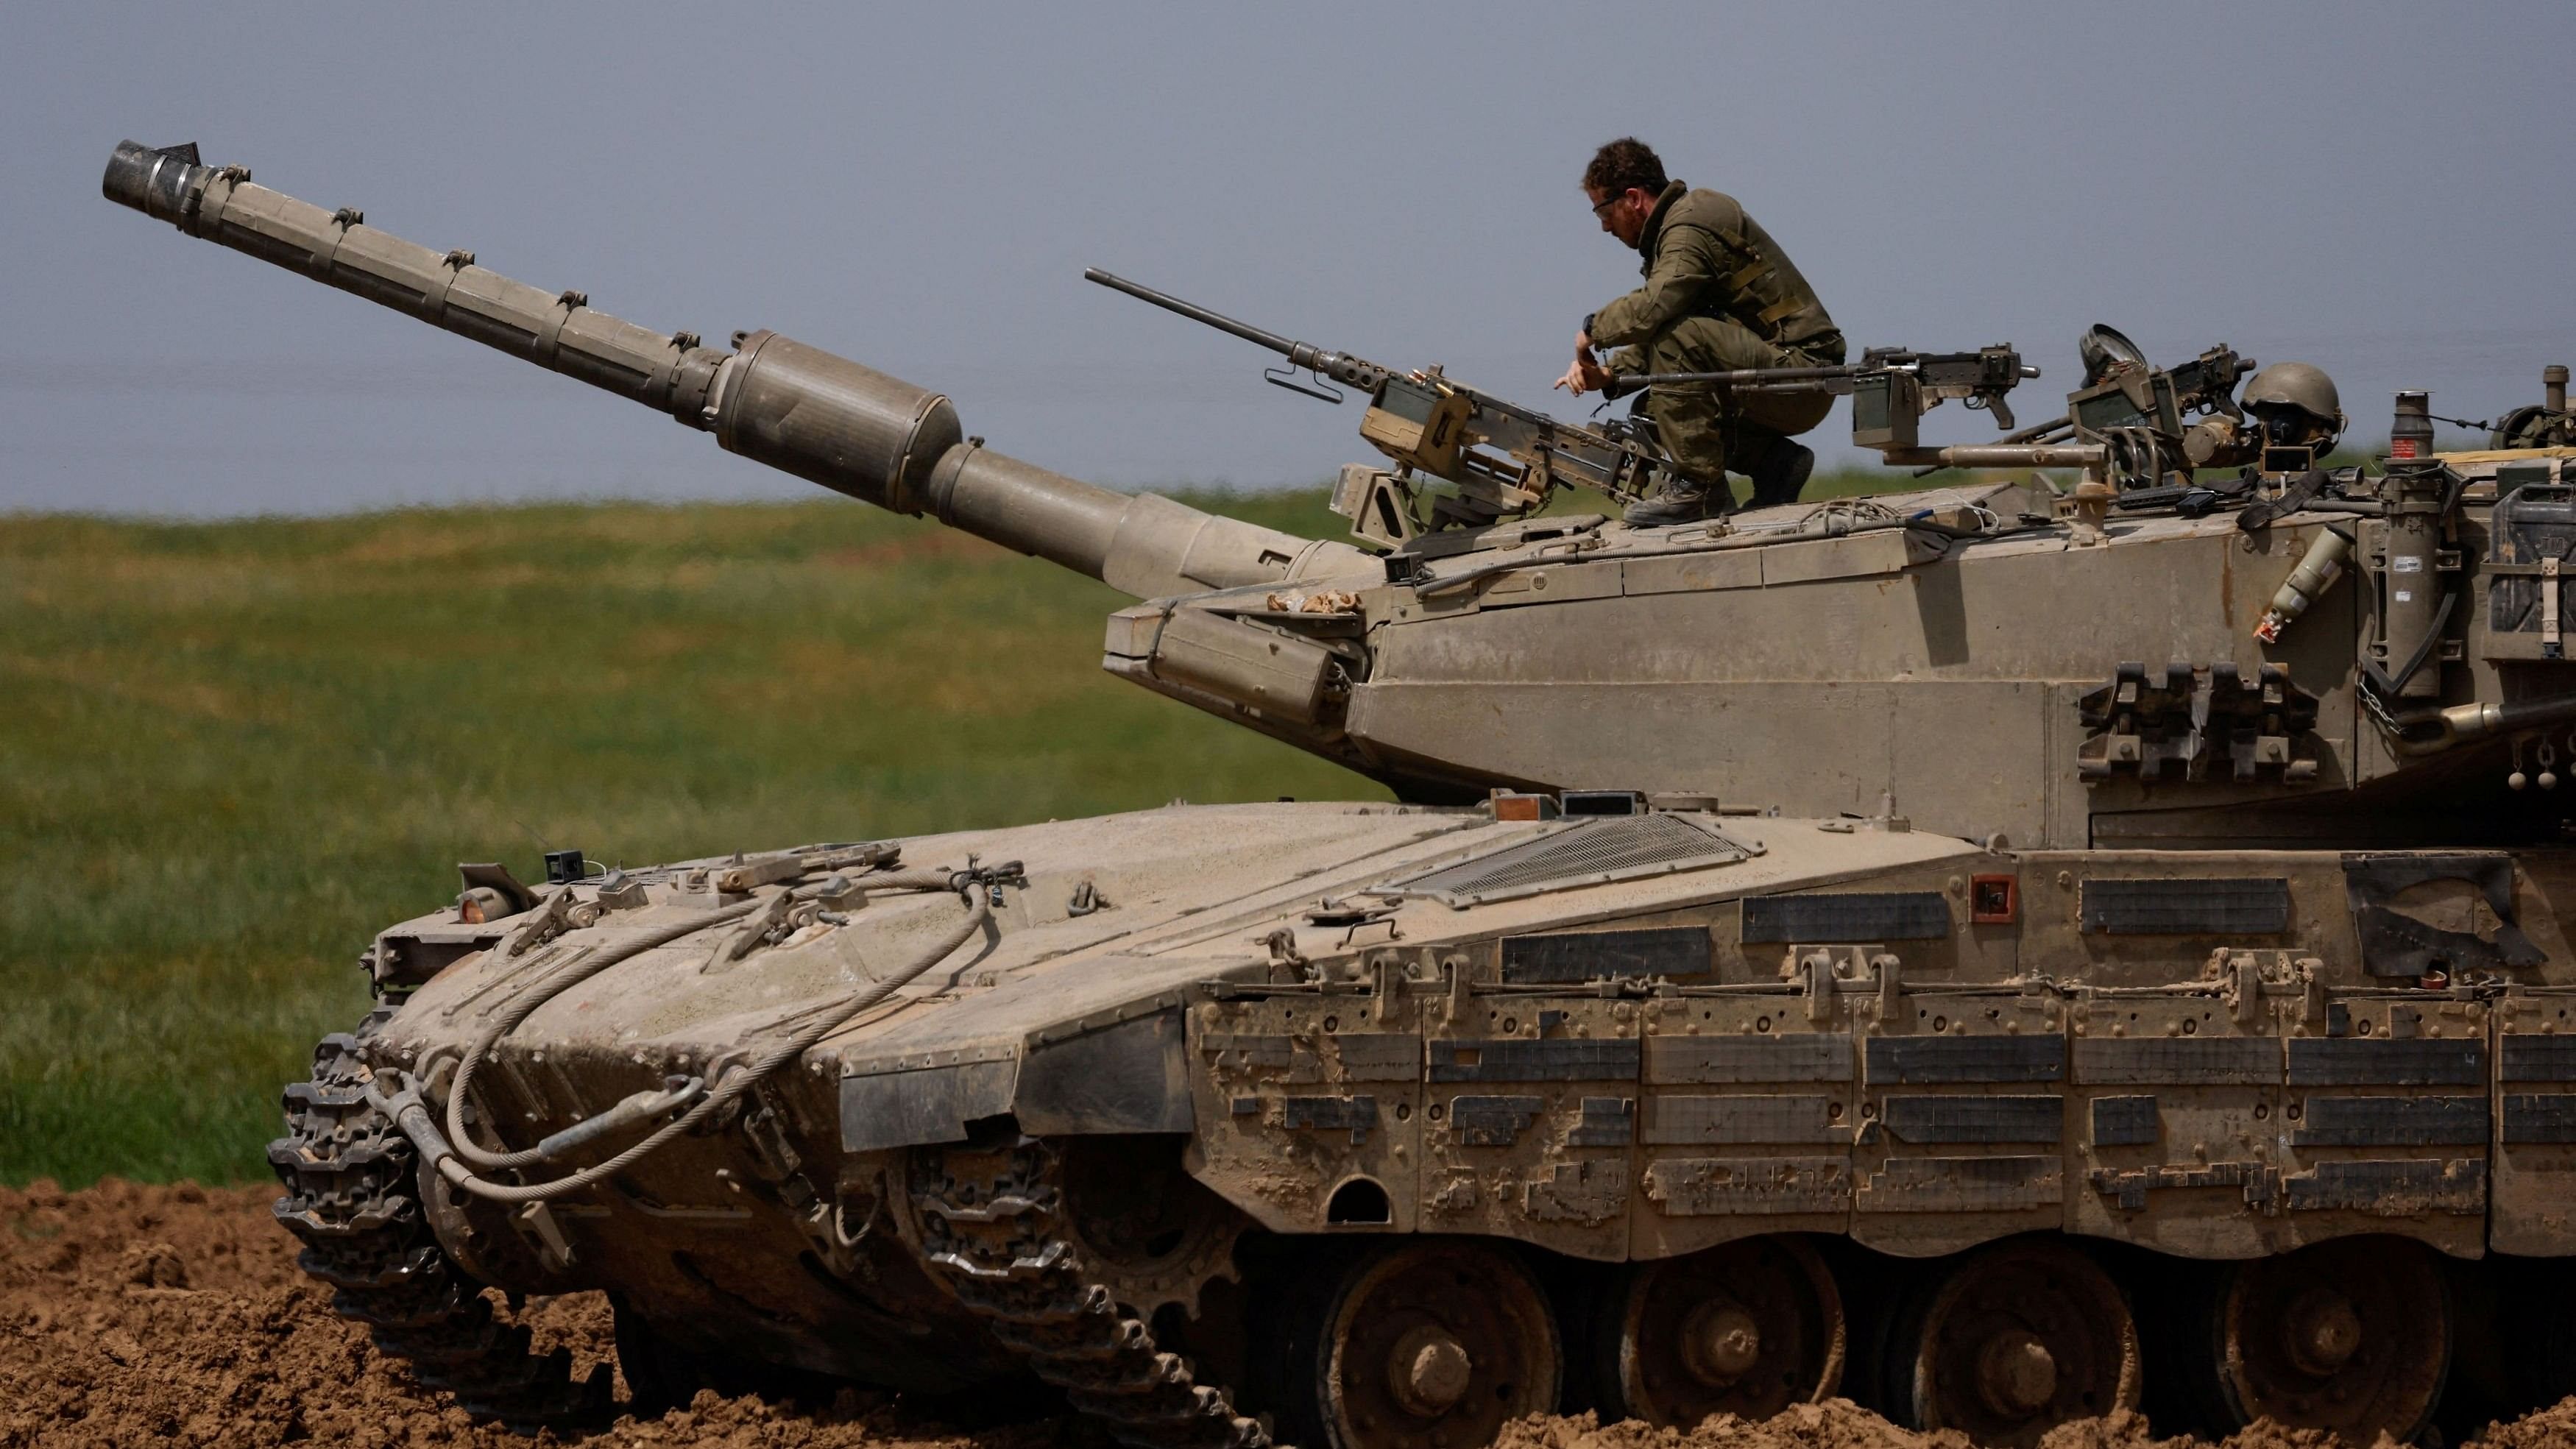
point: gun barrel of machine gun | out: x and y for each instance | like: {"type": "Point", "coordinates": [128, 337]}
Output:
{"type": "Point", "coordinates": [2055, 430]}
{"type": "Point", "coordinates": [1341, 367]}
{"type": "Point", "coordinates": [2001, 455]}
{"type": "Point", "coordinates": [1783, 379]}
{"type": "Point", "coordinates": [1753, 379]}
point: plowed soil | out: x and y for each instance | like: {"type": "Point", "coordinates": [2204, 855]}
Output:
{"type": "Point", "coordinates": [176, 1315]}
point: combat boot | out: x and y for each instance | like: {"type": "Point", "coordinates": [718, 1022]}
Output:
{"type": "Point", "coordinates": [1780, 473]}
{"type": "Point", "coordinates": [1681, 500]}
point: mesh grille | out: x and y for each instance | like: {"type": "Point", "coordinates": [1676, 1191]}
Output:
{"type": "Point", "coordinates": [1590, 852]}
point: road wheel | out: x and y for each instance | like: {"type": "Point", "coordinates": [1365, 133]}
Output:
{"type": "Point", "coordinates": [1745, 1328]}
{"type": "Point", "coordinates": [2013, 1340]}
{"type": "Point", "coordinates": [2352, 1336]}
{"type": "Point", "coordinates": [1425, 1344]}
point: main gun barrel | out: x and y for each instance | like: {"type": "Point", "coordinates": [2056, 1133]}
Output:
{"type": "Point", "coordinates": [770, 398]}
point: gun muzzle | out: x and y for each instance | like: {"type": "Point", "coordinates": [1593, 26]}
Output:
{"type": "Point", "coordinates": [799, 409]}
{"type": "Point", "coordinates": [154, 182]}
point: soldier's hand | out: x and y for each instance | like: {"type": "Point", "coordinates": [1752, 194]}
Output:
{"type": "Point", "coordinates": [1584, 376]}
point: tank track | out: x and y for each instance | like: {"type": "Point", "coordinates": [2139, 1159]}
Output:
{"type": "Point", "coordinates": [350, 1196]}
{"type": "Point", "coordinates": [990, 1224]}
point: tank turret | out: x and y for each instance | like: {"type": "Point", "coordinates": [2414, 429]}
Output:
{"type": "Point", "coordinates": [1818, 658]}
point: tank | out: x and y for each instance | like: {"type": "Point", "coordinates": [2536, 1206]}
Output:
{"type": "Point", "coordinates": [2002, 952]}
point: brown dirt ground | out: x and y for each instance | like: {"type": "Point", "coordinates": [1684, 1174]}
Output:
{"type": "Point", "coordinates": [133, 1314]}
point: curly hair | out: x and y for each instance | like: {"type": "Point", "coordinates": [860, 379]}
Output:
{"type": "Point", "coordinates": [1623, 165]}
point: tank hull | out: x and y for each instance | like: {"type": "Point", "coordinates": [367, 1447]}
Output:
{"type": "Point", "coordinates": [1331, 1036]}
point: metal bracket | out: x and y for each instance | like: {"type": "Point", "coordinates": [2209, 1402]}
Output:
{"type": "Point", "coordinates": [536, 1222]}
{"type": "Point", "coordinates": [1817, 970]}
{"type": "Point", "coordinates": [552, 919]}
{"type": "Point", "coordinates": [991, 877]}
{"type": "Point", "coordinates": [1319, 390]}
{"type": "Point", "coordinates": [2550, 645]}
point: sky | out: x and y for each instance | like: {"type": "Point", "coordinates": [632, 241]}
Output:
{"type": "Point", "coordinates": [2372, 188]}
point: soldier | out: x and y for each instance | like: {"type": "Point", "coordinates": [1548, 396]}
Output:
{"type": "Point", "coordinates": [1719, 295]}
{"type": "Point", "coordinates": [2294, 406]}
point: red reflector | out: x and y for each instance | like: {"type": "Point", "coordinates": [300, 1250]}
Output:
{"type": "Point", "coordinates": [1993, 900]}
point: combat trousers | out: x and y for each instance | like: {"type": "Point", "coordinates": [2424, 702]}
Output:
{"type": "Point", "coordinates": [1704, 429]}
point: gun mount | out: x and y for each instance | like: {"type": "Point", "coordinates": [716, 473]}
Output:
{"type": "Point", "coordinates": [2225, 921]}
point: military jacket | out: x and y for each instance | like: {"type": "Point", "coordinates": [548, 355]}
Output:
{"type": "Point", "coordinates": [1703, 257]}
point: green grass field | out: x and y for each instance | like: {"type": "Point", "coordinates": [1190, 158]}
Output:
{"type": "Point", "coordinates": [231, 751]}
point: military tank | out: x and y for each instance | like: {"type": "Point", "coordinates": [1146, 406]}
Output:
{"type": "Point", "coordinates": [2004, 952]}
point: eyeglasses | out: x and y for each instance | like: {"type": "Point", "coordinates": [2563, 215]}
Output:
{"type": "Point", "coordinates": [1601, 209]}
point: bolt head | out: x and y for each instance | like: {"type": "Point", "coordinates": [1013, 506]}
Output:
{"type": "Point", "coordinates": [2016, 1374]}
{"type": "Point", "coordinates": [1429, 1371]}
{"type": "Point", "coordinates": [1720, 1343]}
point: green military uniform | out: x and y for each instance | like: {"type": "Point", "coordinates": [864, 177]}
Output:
{"type": "Point", "coordinates": [1719, 295]}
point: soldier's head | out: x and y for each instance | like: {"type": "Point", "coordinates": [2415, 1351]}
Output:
{"type": "Point", "coordinates": [2296, 406]}
{"type": "Point", "coordinates": [1624, 182]}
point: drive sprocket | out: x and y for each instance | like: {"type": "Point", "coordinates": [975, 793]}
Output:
{"type": "Point", "coordinates": [993, 1226]}
{"type": "Point", "coordinates": [1153, 1235]}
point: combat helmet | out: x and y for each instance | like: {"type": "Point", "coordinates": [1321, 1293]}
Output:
{"type": "Point", "coordinates": [2282, 392]}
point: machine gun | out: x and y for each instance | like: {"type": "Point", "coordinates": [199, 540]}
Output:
{"type": "Point", "coordinates": [2151, 420]}
{"type": "Point", "coordinates": [2159, 422]}
{"type": "Point", "coordinates": [1504, 459]}
{"type": "Point", "coordinates": [1501, 459]}
{"type": "Point", "coordinates": [1890, 387]}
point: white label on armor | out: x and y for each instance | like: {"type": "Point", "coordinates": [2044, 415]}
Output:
{"type": "Point", "coordinates": [2406, 563]}
{"type": "Point", "coordinates": [2402, 596]}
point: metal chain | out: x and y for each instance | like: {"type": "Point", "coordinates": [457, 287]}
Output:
{"type": "Point", "coordinates": [350, 1182]}
{"type": "Point", "coordinates": [989, 1221]}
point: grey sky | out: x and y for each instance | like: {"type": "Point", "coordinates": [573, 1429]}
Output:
{"type": "Point", "coordinates": [2368, 187]}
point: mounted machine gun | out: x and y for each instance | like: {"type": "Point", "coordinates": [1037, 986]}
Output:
{"type": "Point", "coordinates": [2151, 421]}
{"type": "Point", "coordinates": [1503, 460]}
{"type": "Point", "coordinates": [1499, 458]}
{"type": "Point", "coordinates": [1891, 388]}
